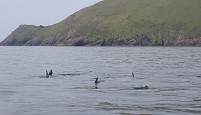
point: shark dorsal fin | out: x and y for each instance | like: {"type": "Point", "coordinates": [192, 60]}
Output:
{"type": "Point", "coordinates": [47, 75]}
{"type": "Point", "coordinates": [133, 75]}
{"type": "Point", "coordinates": [50, 73]}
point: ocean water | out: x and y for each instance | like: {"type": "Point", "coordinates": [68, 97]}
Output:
{"type": "Point", "coordinates": [173, 75]}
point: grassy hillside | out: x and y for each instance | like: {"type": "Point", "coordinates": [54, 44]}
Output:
{"type": "Point", "coordinates": [128, 22]}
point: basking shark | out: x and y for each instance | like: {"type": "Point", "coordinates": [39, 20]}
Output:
{"type": "Point", "coordinates": [50, 73]}
{"type": "Point", "coordinates": [133, 75]}
{"type": "Point", "coordinates": [140, 88]}
{"type": "Point", "coordinates": [96, 82]}
{"type": "Point", "coordinates": [47, 75]}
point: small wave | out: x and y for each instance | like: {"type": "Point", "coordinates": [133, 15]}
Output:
{"type": "Point", "coordinates": [83, 87]}
{"type": "Point", "coordinates": [180, 75]}
{"type": "Point", "coordinates": [53, 76]}
{"type": "Point", "coordinates": [197, 100]}
{"type": "Point", "coordinates": [88, 88]}
{"type": "Point", "coordinates": [127, 88]}
{"type": "Point", "coordinates": [110, 106]}
{"type": "Point", "coordinates": [199, 76]}
{"type": "Point", "coordinates": [7, 92]}
{"type": "Point", "coordinates": [137, 114]}
{"type": "Point", "coordinates": [58, 75]}
{"type": "Point", "coordinates": [70, 74]}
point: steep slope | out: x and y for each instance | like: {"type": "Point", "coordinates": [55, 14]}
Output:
{"type": "Point", "coordinates": [120, 22]}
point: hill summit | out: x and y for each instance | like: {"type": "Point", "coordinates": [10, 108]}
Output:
{"type": "Point", "coordinates": [119, 23]}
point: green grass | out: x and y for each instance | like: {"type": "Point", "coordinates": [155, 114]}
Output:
{"type": "Point", "coordinates": [128, 18]}
{"type": "Point", "coordinates": [131, 19]}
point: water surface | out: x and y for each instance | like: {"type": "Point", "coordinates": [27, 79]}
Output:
{"type": "Point", "coordinates": [172, 74]}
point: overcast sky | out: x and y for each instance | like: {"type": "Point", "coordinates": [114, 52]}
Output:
{"type": "Point", "coordinates": [36, 12]}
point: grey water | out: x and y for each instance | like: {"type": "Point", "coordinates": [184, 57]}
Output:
{"type": "Point", "coordinates": [173, 75]}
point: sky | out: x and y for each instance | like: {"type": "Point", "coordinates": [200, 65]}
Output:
{"type": "Point", "coordinates": [36, 12]}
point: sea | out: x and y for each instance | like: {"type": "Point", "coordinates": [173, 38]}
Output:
{"type": "Point", "coordinates": [173, 75]}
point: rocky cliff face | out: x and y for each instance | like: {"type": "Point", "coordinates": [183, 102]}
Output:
{"type": "Point", "coordinates": [119, 23]}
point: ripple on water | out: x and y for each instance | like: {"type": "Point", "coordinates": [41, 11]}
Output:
{"type": "Point", "coordinates": [7, 92]}
{"type": "Point", "coordinates": [172, 74]}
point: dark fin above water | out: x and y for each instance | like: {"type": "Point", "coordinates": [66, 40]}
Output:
{"type": "Point", "coordinates": [50, 73]}
{"type": "Point", "coordinates": [47, 75]}
{"type": "Point", "coordinates": [96, 83]}
{"type": "Point", "coordinates": [133, 75]}
{"type": "Point", "coordinates": [141, 88]}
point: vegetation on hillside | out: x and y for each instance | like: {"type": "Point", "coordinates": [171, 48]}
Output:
{"type": "Point", "coordinates": [122, 22]}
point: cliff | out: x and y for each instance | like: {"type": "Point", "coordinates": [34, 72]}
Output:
{"type": "Point", "coordinates": [119, 23]}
